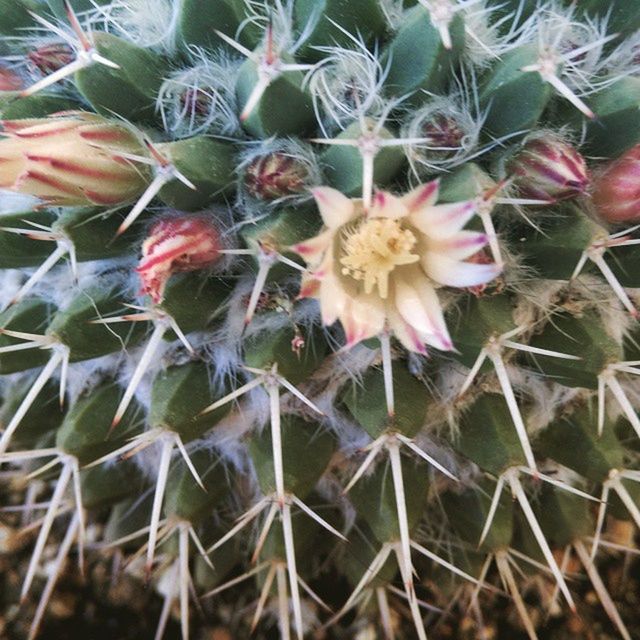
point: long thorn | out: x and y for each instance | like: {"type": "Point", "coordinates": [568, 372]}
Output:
{"type": "Point", "coordinates": [56, 499]}
{"type": "Point", "coordinates": [141, 368]}
{"type": "Point", "coordinates": [283, 603]}
{"type": "Point", "coordinates": [183, 555]}
{"type": "Point", "coordinates": [599, 587]}
{"type": "Point", "coordinates": [264, 594]}
{"type": "Point", "coordinates": [161, 482]}
{"type": "Point", "coordinates": [602, 510]}
{"type": "Point", "coordinates": [508, 579]}
{"type": "Point", "coordinates": [521, 496]}
{"type": "Point", "coordinates": [264, 532]}
{"type": "Point", "coordinates": [264, 266]}
{"type": "Point", "coordinates": [40, 272]}
{"type": "Point", "coordinates": [387, 370]}
{"type": "Point", "coordinates": [290, 553]}
{"type": "Point", "coordinates": [25, 405]}
{"type": "Point", "coordinates": [514, 410]}
{"type": "Point", "coordinates": [385, 613]}
{"type": "Point", "coordinates": [54, 573]}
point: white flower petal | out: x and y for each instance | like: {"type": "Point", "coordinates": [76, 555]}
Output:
{"type": "Point", "coordinates": [386, 205]}
{"type": "Point", "coordinates": [309, 286]}
{"type": "Point", "coordinates": [362, 318]}
{"type": "Point", "coordinates": [335, 208]}
{"type": "Point", "coordinates": [410, 338]}
{"type": "Point", "coordinates": [426, 195]}
{"type": "Point", "coordinates": [311, 250]}
{"type": "Point", "coordinates": [461, 246]}
{"type": "Point", "coordinates": [333, 300]}
{"type": "Point", "coordinates": [444, 220]}
{"type": "Point", "coordinates": [418, 304]}
{"type": "Point", "coordinates": [453, 273]}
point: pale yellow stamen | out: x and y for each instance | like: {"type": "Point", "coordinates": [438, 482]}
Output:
{"type": "Point", "coordinates": [374, 249]}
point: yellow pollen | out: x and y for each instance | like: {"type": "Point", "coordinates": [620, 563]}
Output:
{"type": "Point", "coordinates": [371, 251]}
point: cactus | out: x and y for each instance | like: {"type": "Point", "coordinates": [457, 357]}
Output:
{"type": "Point", "coordinates": [292, 291]}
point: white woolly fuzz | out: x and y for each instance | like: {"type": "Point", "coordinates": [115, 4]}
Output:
{"type": "Point", "coordinates": [445, 132]}
{"type": "Point", "coordinates": [145, 23]}
{"type": "Point", "coordinates": [559, 33]}
{"type": "Point", "coordinates": [623, 60]}
{"type": "Point", "coordinates": [200, 97]}
{"type": "Point", "coordinates": [10, 282]}
{"type": "Point", "coordinates": [84, 376]}
{"type": "Point", "coordinates": [346, 85]}
{"type": "Point", "coordinates": [486, 38]}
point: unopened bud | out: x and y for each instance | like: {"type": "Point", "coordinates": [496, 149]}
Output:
{"type": "Point", "coordinates": [616, 192]}
{"type": "Point", "coordinates": [184, 243]}
{"type": "Point", "coordinates": [10, 81]}
{"type": "Point", "coordinates": [72, 159]}
{"type": "Point", "coordinates": [275, 175]}
{"type": "Point", "coordinates": [444, 134]}
{"type": "Point", "coordinates": [547, 168]}
{"type": "Point", "coordinates": [51, 57]}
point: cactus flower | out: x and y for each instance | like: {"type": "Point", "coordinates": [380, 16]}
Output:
{"type": "Point", "coordinates": [547, 168]}
{"type": "Point", "coordinates": [185, 243]}
{"type": "Point", "coordinates": [616, 192]}
{"type": "Point", "coordinates": [72, 159]}
{"type": "Point", "coordinates": [381, 268]}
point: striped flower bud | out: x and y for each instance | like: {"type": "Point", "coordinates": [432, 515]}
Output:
{"type": "Point", "coordinates": [51, 57]}
{"type": "Point", "coordinates": [616, 192]}
{"type": "Point", "coordinates": [275, 175]}
{"type": "Point", "coordinates": [184, 243]}
{"type": "Point", "coordinates": [547, 168]}
{"type": "Point", "coordinates": [72, 159]}
{"type": "Point", "coordinates": [10, 81]}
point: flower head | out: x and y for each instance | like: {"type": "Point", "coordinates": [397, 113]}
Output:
{"type": "Point", "coordinates": [72, 159]}
{"type": "Point", "coordinates": [51, 56]}
{"type": "Point", "coordinates": [616, 192]}
{"type": "Point", "coordinates": [380, 268]}
{"type": "Point", "coordinates": [9, 80]}
{"type": "Point", "coordinates": [184, 243]}
{"type": "Point", "coordinates": [548, 168]}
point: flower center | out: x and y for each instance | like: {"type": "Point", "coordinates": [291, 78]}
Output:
{"type": "Point", "coordinates": [373, 249]}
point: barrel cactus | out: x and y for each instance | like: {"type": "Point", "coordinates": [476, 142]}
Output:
{"type": "Point", "coordinates": [295, 293]}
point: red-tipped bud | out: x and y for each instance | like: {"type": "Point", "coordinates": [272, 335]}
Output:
{"type": "Point", "coordinates": [198, 101]}
{"type": "Point", "coordinates": [547, 168]}
{"type": "Point", "coordinates": [72, 159]}
{"type": "Point", "coordinates": [275, 175]}
{"type": "Point", "coordinates": [616, 192]}
{"type": "Point", "coordinates": [10, 81]}
{"type": "Point", "coordinates": [51, 57]}
{"type": "Point", "coordinates": [184, 243]}
{"type": "Point", "coordinates": [445, 135]}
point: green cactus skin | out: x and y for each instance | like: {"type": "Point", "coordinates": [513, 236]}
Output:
{"type": "Point", "coordinates": [384, 383]}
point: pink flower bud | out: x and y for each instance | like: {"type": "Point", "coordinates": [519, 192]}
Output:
{"type": "Point", "coordinates": [196, 100]}
{"type": "Point", "coordinates": [10, 81]}
{"type": "Point", "coordinates": [275, 175]}
{"type": "Point", "coordinates": [51, 57]}
{"type": "Point", "coordinates": [445, 135]}
{"type": "Point", "coordinates": [184, 243]}
{"type": "Point", "coordinates": [72, 159]}
{"type": "Point", "coordinates": [547, 168]}
{"type": "Point", "coordinates": [616, 192]}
